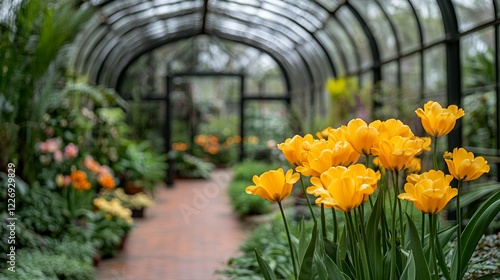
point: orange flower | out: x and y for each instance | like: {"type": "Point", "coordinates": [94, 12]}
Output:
{"type": "Point", "coordinates": [106, 181]}
{"type": "Point", "coordinates": [91, 164]}
{"type": "Point", "coordinates": [79, 180]}
{"type": "Point", "coordinates": [464, 166]}
{"type": "Point", "coordinates": [179, 146]}
{"type": "Point", "coordinates": [438, 121]}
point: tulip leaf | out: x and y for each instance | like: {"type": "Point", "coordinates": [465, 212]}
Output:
{"type": "Point", "coordinates": [409, 272]}
{"type": "Point", "coordinates": [306, 259]}
{"type": "Point", "coordinates": [417, 252]}
{"type": "Point", "coordinates": [331, 249]}
{"type": "Point", "coordinates": [443, 238]}
{"type": "Point", "coordinates": [267, 272]}
{"type": "Point", "coordinates": [333, 271]}
{"type": "Point", "coordinates": [373, 234]}
{"type": "Point", "coordinates": [473, 232]}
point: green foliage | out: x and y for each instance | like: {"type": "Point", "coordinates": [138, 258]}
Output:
{"type": "Point", "coordinates": [247, 169]}
{"type": "Point", "coordinates": [143, 166]}
{"type": "Point", "coordinates": [246, 204]}
{"type": "Point", "coordinates": [42, 211]}
{"type": "Point", "coordinates": [271, 242]}
{"type": "Point", "coordinates": [35, 264]}
{"type": "Point", "coordinates": [31, 63]}
{"type": "Point", "coordinates": [189, 166]}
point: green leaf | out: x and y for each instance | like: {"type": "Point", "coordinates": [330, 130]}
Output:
{"type": "Point", "coordinates": [266, 270]}
{"type": "Point", "coordinates": [417, 252]}
{"type": "Point", "coordinates": [373, 234]}
{"type": "Point", "coordinates": [409, 271]}
{"type": "Point", "coordinates": [306, 261]}
{"type": "Point", "coordinates": [333, 270]}
{"type": "Point", "coordinates": [474, 230]}
{"type": "Point", "coordinates": [331, 249]}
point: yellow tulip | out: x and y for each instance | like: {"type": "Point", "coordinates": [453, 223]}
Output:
{"type": "Point", "coordinates": [325, 154]}
{"type": "Point", "coordinates": [273, 185]}
{"type": "Point", "coordinates": [293, 148]}
{"type": "Point", "coordinates": [344, 188]}
{"type": "Point", "coordinates": [430, 191]}
{"type": "Point", "coordinates": [464, 166]}
{"type": "Point", "coordinates": [361, 136]}
{"type": "Point", "coordinates": [336, 87]}
{"type": "Point", "coordinates": [392, 127]}
{"type": "Point", "coordinates": [397, 153]}
{"type": "Point", "coordinates": [438, 121]}
{"type": "Point", "coordinates": [323, 134]}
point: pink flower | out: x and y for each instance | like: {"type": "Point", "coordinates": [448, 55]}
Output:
{"type": "Point", "coordinates": [49, 146]}
{"type": "Point", "coordinates": [58, 156]}
{"type": "Point", "coordinates": [71, 151]}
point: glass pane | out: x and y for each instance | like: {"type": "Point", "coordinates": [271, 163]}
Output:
{"type": "Point", "coordinates": [147, 118]}
{"type": "Point", "coordinates": [387, 96]}
{"type": "Point", "coordinates": [410, 74]}
{"type": "Point", "coordinates": [478, 60]}
{"type": "Point", "coordinates": [473, 13]}
{"type": "Point", "coordinates": [435, 70]}
{"type": "Point", "coordinates": [333, 51]}
{"type": "Point", "coordinates": [380, 27]}
{"type": "Point", "coordinates": [356, 31]}
{"type": "Point", "coordinates": [364, 103]}
{"type": "Point", "coordinates": [479, 122]}
{"type": "Point", "coordinates": [348, 49]}
{"type": "Point", "coordinates": [404, 21]}
{"type": "Point", "coordinates": [430, 18]}
{"type": "Point", "coordinates": [266, 123]}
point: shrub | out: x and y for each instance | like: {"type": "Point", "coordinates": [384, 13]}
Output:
{"type": "Point", "coordinates": [245, 204]}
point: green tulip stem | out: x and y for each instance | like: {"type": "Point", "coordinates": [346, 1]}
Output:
{"type": "Point", "coordinates": [323, 221]}
{"type": "Point", "coordinates": [289, 240]}
{"type": "Point", "coordinates": [307, 198]}
{"type": "Point", "coordinates": [393, 236]}
{"type": "Point", "coordinates": [434, 152]}
{"type": "Point", "coordinates": [459, 232]}
{"type": "Point", "coordinates": [367, 164]}
{"type": "Point", "coordinates": [335, 226]}
{"type": "Point", "coordinates": [432, 246]}
{"type": "Point", "coordinates": [423, 229]}
{"type": "Point", "coordinates": [354, 248]}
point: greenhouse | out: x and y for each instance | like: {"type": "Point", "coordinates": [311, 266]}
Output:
{"type": "Point", "coordinates": [250, 139]}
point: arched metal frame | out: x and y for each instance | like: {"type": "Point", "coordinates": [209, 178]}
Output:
{"type": "Point", "coordinates": [293, 33]}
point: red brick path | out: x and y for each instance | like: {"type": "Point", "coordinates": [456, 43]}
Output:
{"type": "Point", "coordinates": [187, 235]}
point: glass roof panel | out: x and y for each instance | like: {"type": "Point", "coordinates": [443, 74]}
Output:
{"type": "Point", "coordinates": [348, 49]}
{"type": "Point", "coordinates": [330, 5]}
{"type": "Point", "coordinates": [356, 31]}
{"type": "Point", "coordinates": [404, 21]}
{"type": "Point", "coordinates": [333, 51]}
{"type": "Point", "coordinates": [431, 20]}
{"type": "Point", "coordinates": [473, 13]}
{"type": "Point", "coordinates": [380, 27]}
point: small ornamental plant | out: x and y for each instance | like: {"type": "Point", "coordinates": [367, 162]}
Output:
{"type": "Point", "coordinates": [356, 172]}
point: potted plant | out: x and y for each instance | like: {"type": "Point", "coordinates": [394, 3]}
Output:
{"type": "Point", "coordinates": [141, 168]}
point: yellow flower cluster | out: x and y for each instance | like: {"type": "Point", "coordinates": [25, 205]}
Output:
{"type": "Point", "coordinates": [114, 208]}
{"type": "Point", "coordinates": [134, 201]}
{"type": "Point", "coordinates": [340, 183]}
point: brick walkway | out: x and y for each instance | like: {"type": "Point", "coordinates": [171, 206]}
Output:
{"type": "Point", "coordinates": [187, 235]}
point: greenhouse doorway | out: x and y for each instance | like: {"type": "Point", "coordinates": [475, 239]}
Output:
{"type": "Point", "coordinates": [204, 117]}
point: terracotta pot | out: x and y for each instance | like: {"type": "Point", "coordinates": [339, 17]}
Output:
{"type": "Point", "coordinates": [131, 188]}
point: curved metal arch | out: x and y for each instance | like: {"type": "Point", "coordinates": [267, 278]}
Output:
{"type": "Point", "coordinates": [422, 41]}
{"type": "Point", "coordinates": [453, 66]}
{"type": "Point", "coordinates": [398, 42]}
{"type": "Point", "coordinates": [377, 73]}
